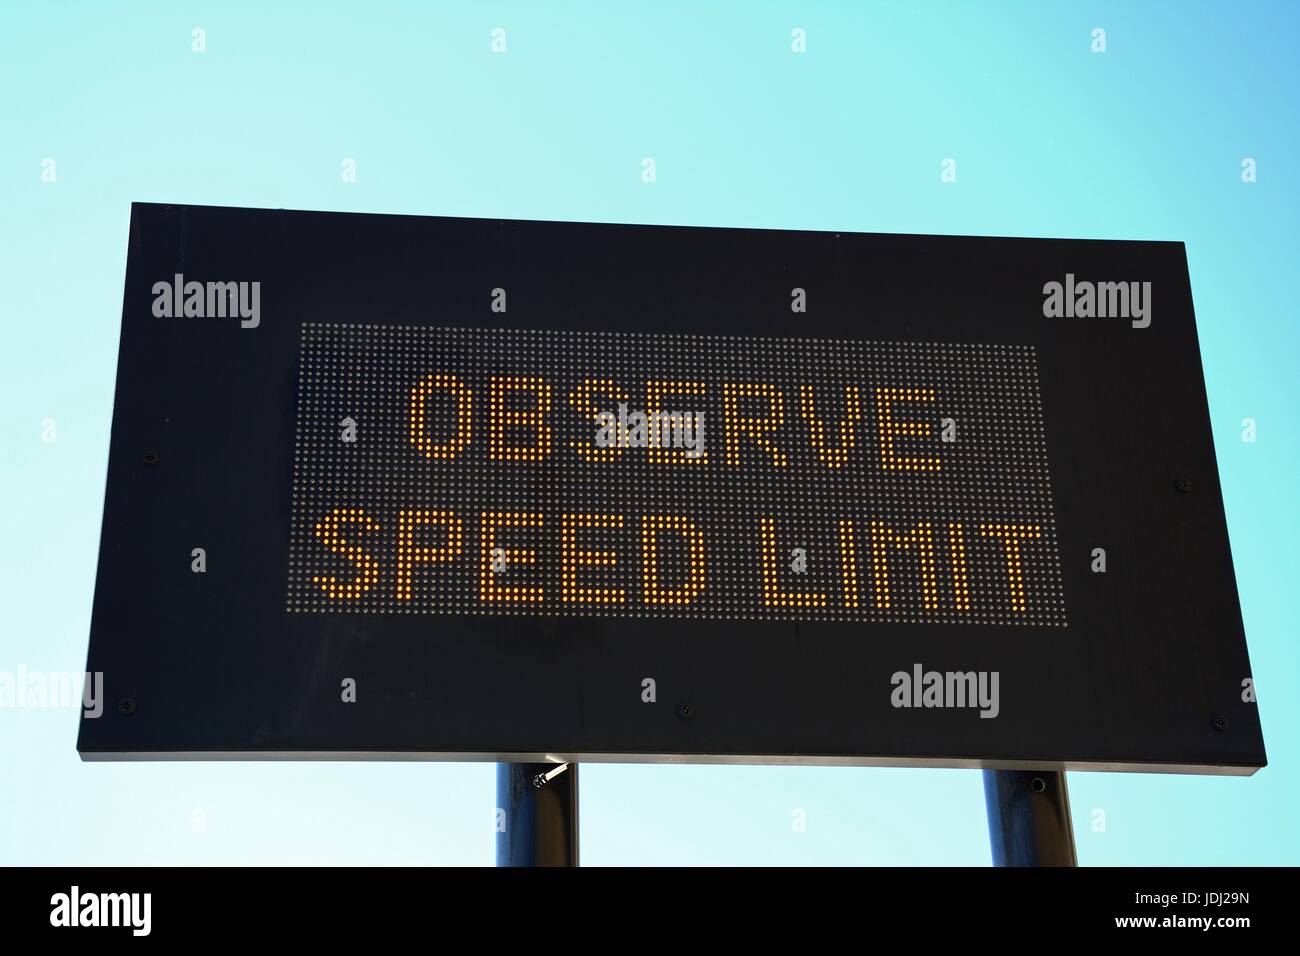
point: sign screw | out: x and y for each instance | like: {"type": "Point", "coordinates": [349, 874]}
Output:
{"type": "Point", "coordinates": [1220, 723]}
{"type": "Point", "coordinates": [126, 705]}
{"type": "Point", "coordinates": [542, 779]}
{"type": "Point", "coordinates": [151, 458]}
{"type": "Point", "coordinates": [685, 711]}
{"type": "Point", "coordinates": [1183, 484]}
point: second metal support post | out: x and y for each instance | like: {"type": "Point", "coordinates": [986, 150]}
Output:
{"type": "Point", "coordinates": [1029, 818]}
{"type": "Point", "coordinates": [537, 814]}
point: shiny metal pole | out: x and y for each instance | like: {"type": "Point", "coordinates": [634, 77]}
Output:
{"type": "Point", "coordinates": [537, 814]}
{"type": "Point", "coordinates": [1029, 818]}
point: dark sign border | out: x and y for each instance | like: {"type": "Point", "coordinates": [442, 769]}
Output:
{"type": "Point", "coordinates": [1148, 676]}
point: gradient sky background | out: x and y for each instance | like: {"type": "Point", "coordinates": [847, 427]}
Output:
{"type": "Point", "coordinates": [1144, 141]}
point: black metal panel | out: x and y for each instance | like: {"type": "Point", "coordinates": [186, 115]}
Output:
{"type": "Point", "coordinates": [1143, 669]}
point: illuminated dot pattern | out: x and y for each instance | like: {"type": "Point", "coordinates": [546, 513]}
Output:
{"type": "Point", "coordinates": [884, 540]}
{"type": "Point", "coordinates": [491, 589]}
{"type": "Point", "coordinates": [475, 442]}
{"type": "Point", "coordinates": [891, 429]}
{"type": "Point", "coordinates": [657, 394]}
{"type": "Point", "coordinates": [507, 422]}
{"type": "Point", "coordinates": [848, 543]}
{"type": "Point", "coordinates": [773, 594]}
{"type": "Point", "coordinates": [419, 419]}
{"type": "Point", "coordinates": [832, 456]}
{"type": "Point", "coordinates": [409, 554]}
{"type": "Point", "coordinates": [957, 559]}
{"type": "Point", "coordinates": [1011, 535]}
{"type": "Point", "coordinates": [685, 587]}
{"type": "Point", "coordinates": [747, 431]}
{"type": "Point", "coordinates": [575, 557]}
{"type": "Point", "coordinates": [329, 532]}
{"type": "Point", "coordinates": [592, 397]}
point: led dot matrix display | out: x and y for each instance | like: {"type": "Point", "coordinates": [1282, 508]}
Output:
{"type": "Point", "coordinates": [620, 474]}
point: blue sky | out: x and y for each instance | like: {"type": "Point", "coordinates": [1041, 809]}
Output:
{"type": "Point", "coordinates": [1143, 141]}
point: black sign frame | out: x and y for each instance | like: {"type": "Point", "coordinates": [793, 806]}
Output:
{"type": "Point", "coordinates": [1149, 675]}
